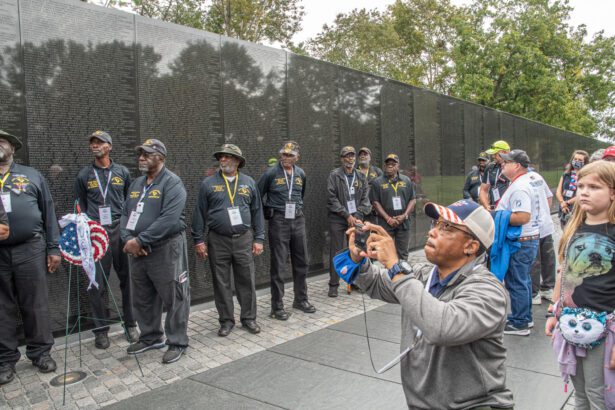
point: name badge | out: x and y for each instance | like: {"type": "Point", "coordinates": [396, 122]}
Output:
{"type": "Point", "coordinates": [6, 202]}
{"type": "Point", "coordinates": [496, 194]}
{"type": "Point", "coordinates": [290, 210]}
{"type": "Point", "coordinates": [568, 193]}
{"type": "Point", "coordinates": [351, 190]}
{"type": "Point", "coordinates": [140, 206]}
{"type": "Point", "coordinates": [104, 213]}
{"type": "Point", "coordinates": [235, 216]}
{"type": "Point", "coordinates": [352, 207]}
{"type": "Point", "coordinates": [397, 203]}
{"type": "Point", "coordinates": [132, 221]}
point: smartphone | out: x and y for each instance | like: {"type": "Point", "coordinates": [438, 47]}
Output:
{"type": "Point", "coordinates": [360, 237]}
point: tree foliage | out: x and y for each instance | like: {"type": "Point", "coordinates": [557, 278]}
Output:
{"type": "Point", "coordinates": [251, 20]}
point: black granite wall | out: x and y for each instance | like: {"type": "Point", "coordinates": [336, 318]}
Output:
{"type": "Point", "coordinates": [68, 68]}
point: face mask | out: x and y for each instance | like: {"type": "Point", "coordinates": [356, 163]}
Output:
{"type": "Point", "coordinates": [576, 164]}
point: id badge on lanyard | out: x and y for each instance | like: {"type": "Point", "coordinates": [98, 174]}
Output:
{"type": "Point", "coordinates": [496, 194]}
{"type": "Point", "coordinates": [397, 203]}
{"type": "Point", "coordinates": [351, 205]}
{"type": "Point", "coordinates": [291, 207]}
{"type": "Point", "coordinates": [104, 212]}
{"type": "Point", "coordinates": [289, 212]}
{"type": "Point", "coordinates": [136, 214]}
{"type": "Point", "coordinates": [234, 215]}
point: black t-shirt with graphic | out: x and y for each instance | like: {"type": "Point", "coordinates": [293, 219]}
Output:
{"type": "Point", "coordinates": [589, 279]}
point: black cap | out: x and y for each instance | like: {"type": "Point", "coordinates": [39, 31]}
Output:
{"type": "Point", "coordinates": [12, 139]}
{"type": "Point", "coordinates": [152, 145]}
{"type": "Point", "coordinates": [517, 155]}
{"type": "Point", "coordinates": [101, 135]}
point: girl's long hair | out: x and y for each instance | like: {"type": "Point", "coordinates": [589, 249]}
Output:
{"type": "Point", "coordinates": [605, 171]}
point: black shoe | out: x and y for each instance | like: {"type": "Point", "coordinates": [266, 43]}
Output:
{"type": "Point", "coordinates": [173, 354]}
{"type": "Point", "coordinates": [132, 334]}
{"type": "Point", "coordinates": [141, 347]}
{"type": "Point", "coordinates": [101, 341]}
{"type": "Point", "coordinates": [225, 329]}
{"type": "Point", "coordinates": [304, 306]}
{"type": "Point", "coordinates": [332, 292]}
{"type": "Point", "coordinates": [280, 314]}
{"type": "Point", "coordinates": [7, 373]}
{"type": "Point", "coordinates": [251, 326]}
{"type": "Point", "coordinates": [45, 363]}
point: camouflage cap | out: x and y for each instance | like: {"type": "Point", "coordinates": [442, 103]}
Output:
{"type": "Point", "coordinates": [12, 139]}
{"type": "Point", "coordinates": [392, 157]}
{"type": "Point", "coordinates": [347, 150]}
{"type": "Point", "coordinates": [290, 147]}
{"type": "Point", "coordinates": [231, 149]}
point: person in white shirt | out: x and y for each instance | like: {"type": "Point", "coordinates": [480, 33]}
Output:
{"type": "Point", "coordinates": [524, 198]}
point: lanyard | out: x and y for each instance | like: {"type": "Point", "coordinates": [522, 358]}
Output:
{"type": "Point", "coordinates": [228, 188]}
{"type": "Point", "coordinates": [292, 181]}
{"type": "Point", "coordinates": [145, 189]}
{"type": "Point", "coordinates": [366, 172]}
{"type": "Point", "coordinates": [3, 180]}
{"type": "Point", "coordinates": [354, 176]}
{"type": "Point", "coordinates": [104, 192]}
{"type": "Point", "coordinates": [394, 186]}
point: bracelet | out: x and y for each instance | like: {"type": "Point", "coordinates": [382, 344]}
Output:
{"type": "Point", "coordinates": [549, 314]}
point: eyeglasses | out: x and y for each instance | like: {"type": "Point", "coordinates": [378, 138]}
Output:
{"type": "Point", "coordinates": [444, 226]}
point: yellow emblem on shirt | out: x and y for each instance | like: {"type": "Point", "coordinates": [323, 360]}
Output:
{"type": "Point", "coordinates": [154, 194]}
{"type": "Point", "coordinates": [117, 181]}
{"type": "Point", "coordinates": [218, 188]}
{"type": "Point", "coordinates": [93, 184]}
{"type": "Point", "coordinates": [244, 190]}
{"type": "Point", "coordinates": [280, 181]}
{"type": "Point", "coordinates": [134, 194]}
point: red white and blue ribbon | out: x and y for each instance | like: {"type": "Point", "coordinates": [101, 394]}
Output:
{"type": "Point", "coordinates": [83, 242]}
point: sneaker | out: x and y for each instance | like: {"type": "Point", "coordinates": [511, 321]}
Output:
{"type": "Point", "coordinates": [45, 363]}
{"type": "Point", "coordinates": [547, 294]}
{"type": "Point", "coordinates": [101, 341]}
{"type": "Point", "coordinates": [173, 354]}
{"type": "Point", "coordinates": [517, 331]}
{"type": "Point", "coordinates": [132, 334]}
{"type": "Point", "coordinates": [537, 300]}
{"type": "Point", "coordinates": [7, 373]}
{"type": "Point", "coordinates": [141, 347]}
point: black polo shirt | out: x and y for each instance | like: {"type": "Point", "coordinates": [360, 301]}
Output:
{"type": "Point", "coordinates": [495, 179]}
{"type": "Point", "coordinates": [383, 191]}
{"type": "Point", "coordinates": [89, 193]}
{"type": "Point", "coordinates": [164, 203]}
{"type": "Point", "coordinates": [213, 202]}
{"type": "Point", "coordinates": [274, 184]}
{"type": "Point", "coordinates": [32, 210]}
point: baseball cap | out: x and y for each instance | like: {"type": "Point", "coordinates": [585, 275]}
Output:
{"type": "Point", "coordinates": [517, 155]}
{"type": "Point", "coordinates": [609, 152]}
{"type": "Point", "coordinates": [466, 213]}
{"type": "Point", "coordinates": [497, 147]}
{"type": "Point", "coordinates": [152, 145]}
{"type": "Point", "coordinates": [347, 150]}
{"type": "Point", "coordinates": [290, 147]}
{"type": "Point", "coordinates": [483, 155]}
{"type": "Point", "coordinates": [12, 139]}
{"type": "Point", "coordinates": [101, 135]}
{"type": "Point", "coordinates": [365, 149]}
{"type": "Point", "coordinates": [393, 157]}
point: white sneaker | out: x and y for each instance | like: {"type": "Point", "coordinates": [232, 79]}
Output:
{"type": "Point", "coordinates": [537, 300]}
{"type": "Point", "coordinates": [531, 324]}
{"type": "Point", "coordinates": [547, 294]}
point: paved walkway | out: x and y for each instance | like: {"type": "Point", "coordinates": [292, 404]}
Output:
{"type": "Point", "coordinates": [301, 363]}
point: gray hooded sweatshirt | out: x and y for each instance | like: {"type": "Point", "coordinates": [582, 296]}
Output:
{"type": "Point", "coordinates": [458, 361]}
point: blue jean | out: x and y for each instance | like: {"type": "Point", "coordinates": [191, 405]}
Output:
{"type": "Point", "coordinates": [519, 283]}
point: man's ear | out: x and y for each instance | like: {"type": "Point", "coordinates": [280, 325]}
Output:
{"type": "Point", "coordinates": [471, 247]}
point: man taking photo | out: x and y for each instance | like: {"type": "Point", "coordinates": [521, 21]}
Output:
{"type": "Point", "coordinates": [453, 310]}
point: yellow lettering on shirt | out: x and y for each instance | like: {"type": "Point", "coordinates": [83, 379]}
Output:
{"type": "Point", "coordinates": [134, 194]}
{"type": "Point", "coordinates": [93, 184]}
{"type": "Point", "coordinates": [218, 188]}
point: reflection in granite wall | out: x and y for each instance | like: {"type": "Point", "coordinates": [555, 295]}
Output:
{"type": "Point", "coordinates": [68, 68]}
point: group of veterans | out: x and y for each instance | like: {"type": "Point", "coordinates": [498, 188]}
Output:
{"type": "Point", "coordinates": [146, 225]}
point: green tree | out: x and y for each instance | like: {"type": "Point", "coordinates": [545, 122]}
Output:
{"type": "Point", "coordinates": [251, 20]}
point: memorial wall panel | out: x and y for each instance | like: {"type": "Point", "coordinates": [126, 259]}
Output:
{"type": "Point", "coordinates": [359, 102]}
{"type": "Point", "coordinates": [473, 142]}
{"type": "Point", "coordinates": [178, 72]}
{"type": "Point", "coordinates": [12, 114]}
{"type": "Point", "coordinates": [491, 126]}
{"type": "Point", "coordinates": [313, 121]}
{"type": "Point", "coordinates": [507, 129]}
{"type": "Point", "coordinates": [396, 107]}
{"type": "Point", "coordinates": [255, 110]}
{"type": "Point", "coordinates": [79, 77]}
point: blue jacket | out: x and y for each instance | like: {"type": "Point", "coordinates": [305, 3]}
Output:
{"type": "Point", "coordinates": [504, 244]}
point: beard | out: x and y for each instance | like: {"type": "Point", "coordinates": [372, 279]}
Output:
{"type": "Point", "coordinates": [98, 154]}
{"type": "Point", "coordinates": [364, 162]}
{"type": "Point", "coordinates": [143, 168]}
{"type": "Point", "coordinates": [228, 169]}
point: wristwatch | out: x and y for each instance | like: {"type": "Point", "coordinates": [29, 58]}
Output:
{"type": "Point", "coordinates": [402, 267]}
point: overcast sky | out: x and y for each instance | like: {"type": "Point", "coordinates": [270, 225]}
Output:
{"type": "Point", "coordinates": [595, 14]}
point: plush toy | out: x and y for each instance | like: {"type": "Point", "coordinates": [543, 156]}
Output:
{"type": "Point", "coordinates": [582, 327]}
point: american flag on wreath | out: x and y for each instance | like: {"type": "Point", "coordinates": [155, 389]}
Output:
{"type": "Point", "coordinates": [83, 242]}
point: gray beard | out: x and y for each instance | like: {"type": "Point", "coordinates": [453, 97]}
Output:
{"type": "Point", "coordinates": [228, 169]}
{"type": "Point", "coordinates": [363, 164]}
{"type": "Point", "coordinates": [143, 168]}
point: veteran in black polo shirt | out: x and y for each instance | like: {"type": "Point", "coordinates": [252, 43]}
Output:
{"type": "Point", "coordinates": [26, 255]}
{"type": "Point", "coordinates": [153, 228]}
{"type": "Point", "coordinates": [229, 205]}
{"type": "Point", "coordinates": [493, 182]}
{"type": "Point", "coordinates": [392, 196]}
{"type": "Point", "coordinates": [102, 188]}
{"type": "Point", "coordinates": [283, 187]}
